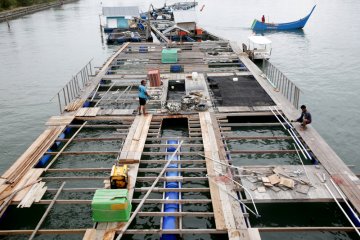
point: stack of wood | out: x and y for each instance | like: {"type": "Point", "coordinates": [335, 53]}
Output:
{"type": "Point", "coordinates": [35, 194]}
{"type": "Point", "coordinates": [32, 155]}
{"type": "Point", "coordinates": [75, 105]}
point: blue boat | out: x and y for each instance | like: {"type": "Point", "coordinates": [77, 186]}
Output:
{"type": "Point", "coordinates": [299, 24]}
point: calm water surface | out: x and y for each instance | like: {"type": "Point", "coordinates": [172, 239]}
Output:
{"type": "Point", "coordinates": [41, 52]}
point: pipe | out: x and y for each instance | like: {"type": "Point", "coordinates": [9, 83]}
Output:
{"type": "Point", "coordinates": [337, 202]}
{"type": "Point", "coordinates": [302, 151]}
{"type": "Point", "coordinates": [169, 222]}
{"type": "Point", "coordinates": [302, 163]}
{"type": "Point", "coordinates": [277, 118]}
{"type": "Point", "coordinates": [292, 133]}
{"type": "Point", "coordinates": [307, 153]}
{"type": "Point", "coordinates": [290, 126]}
{"type": "Point", "coordinates": [293, 137]}
{"type": "Point", "coordinates": [347, 203]}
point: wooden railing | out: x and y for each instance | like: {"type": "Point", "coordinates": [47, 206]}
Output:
{"type": "Point", "coordinates": [281, 83]}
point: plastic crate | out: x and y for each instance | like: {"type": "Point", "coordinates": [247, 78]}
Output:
{"type": "Point", "coordinates": [111, 205]}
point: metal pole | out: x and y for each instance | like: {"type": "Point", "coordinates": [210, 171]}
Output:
{"type": "Point", "coordinates": [347, 217]}
{"type": "Point", "coordinates": [302, 163]}
{"type": "Point", "coordinates": [67, 91]}
{"type": "Point", "coordinates": [64, 96]}
{"type": "Point", "coordinates": [77, 83]}
{"type": "Point", "coordinates": [92, 98]}
{"type": "Point", "coordinates": [283, 117]}
{"type": "Point", "coordinates": [71, 85]}
{"type": "Point", "coordinates": [301, 150]}
{"type": "Point", "coordinates": [82, 77]}
{"type": "Point", "coordinates": [344, 198]}
{"type": "Point", "coordinates": [90, 67]}
{"type": "Point", "coordinates": [300, 143]}
{"type": "Point", "coordinates": [104, 94]}
{"type": "Point", "coordinates": [86, 74]}
{"type": "Point", "coordinates": [59, 102]}
{"type": "Point", "coordinates": [277, 118]}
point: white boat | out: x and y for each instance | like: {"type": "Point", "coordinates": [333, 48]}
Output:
{"type": "Point", "coordinates": [259, 47]}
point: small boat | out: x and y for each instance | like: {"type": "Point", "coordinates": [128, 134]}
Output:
{"type": "Point", "coordinates": [299, 24]}
{"type": "Point", "coordinates": [259, 48]}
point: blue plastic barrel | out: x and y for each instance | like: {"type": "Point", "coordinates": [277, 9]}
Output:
{"type": "Point", "coordinates": [43, 160]}
{"type": "Point", "coordinates": [57, 143]}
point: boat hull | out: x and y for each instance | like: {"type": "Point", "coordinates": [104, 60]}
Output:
{"type": "Point", "coordinates": [299, 24]}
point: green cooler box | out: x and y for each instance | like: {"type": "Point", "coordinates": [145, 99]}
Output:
{"type": "Point", "coordinates": [169, 55]}
{"type": "Point", "coordinates": [111, 205]}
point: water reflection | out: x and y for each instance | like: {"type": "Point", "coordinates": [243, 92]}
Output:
{"type": "Point", "coordinates": [295, 32]}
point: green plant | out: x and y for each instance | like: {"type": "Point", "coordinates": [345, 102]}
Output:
{"type": "Point", "coordinates": [6, 4]}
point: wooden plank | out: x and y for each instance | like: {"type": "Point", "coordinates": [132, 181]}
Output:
{"type": "Point", "coordinates": [31, 176]}
{"type": "Point", "coordinates": [234, 109]}
{"type": "Point", "coordinates": [225, 200]}
{"type": "Point", "coordinates": [30, 157]}
{"type": "Point", "coordinates": [89, 234]}
{"type": "Point", "coordinates": [33, 195]}
{"type": "Point", "coordinates": [59, 120]}
{"type": "Point", "coordinates": [81, 112]}
{"type": "Point", "coordinates": [132, 149]}
{"type": "Point", "coordinates": [214, 190]}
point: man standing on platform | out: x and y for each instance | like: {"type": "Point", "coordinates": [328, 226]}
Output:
{"type": "Point", "coordinates": [263, 19]}
{"type": "Point", "coordinates": [143, 96]}
{"type": "Point", "coordinates": [305, 117]}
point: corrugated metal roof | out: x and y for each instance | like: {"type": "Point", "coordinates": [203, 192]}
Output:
{"type": "Point", "coordinates": [184, 16]}
{"type": "Point", "coordinates": [121, 11]}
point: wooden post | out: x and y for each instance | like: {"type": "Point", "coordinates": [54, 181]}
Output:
{"type": "Point", "coordinates": [46, 212]}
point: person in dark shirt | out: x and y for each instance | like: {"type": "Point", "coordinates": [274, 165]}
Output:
{"type": "Point", "coordinates": [305, 117]}
{"type": "Point", "coordinates": [143, 96]}
{"type": "Point", "coordinates": [263, 19]}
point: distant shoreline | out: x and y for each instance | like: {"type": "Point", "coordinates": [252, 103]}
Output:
{"type": "Point", "coordinates": [9, 6]}
{"type": "Point", "coordinates": [6, 15]}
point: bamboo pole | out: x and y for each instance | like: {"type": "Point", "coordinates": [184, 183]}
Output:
{"type": "Point", "coordinates": [63, 148]}
{"type": "Point", "coordinates": [46, 212]}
